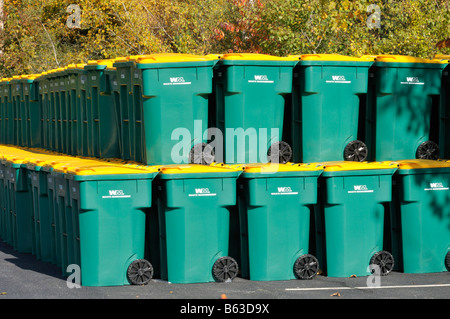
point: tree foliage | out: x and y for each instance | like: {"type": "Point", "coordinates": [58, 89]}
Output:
{"type": "Point", "coordinates": [44, 34]}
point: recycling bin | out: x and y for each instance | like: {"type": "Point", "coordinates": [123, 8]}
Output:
{"type": "Point", "coordinates": [250, 92]}
{"type": "Point", "coordinates": [19, 200]}
{"type": "Point", "coordinates": [43, 218]}
{"type": "Point", "coordinates": [43, 109]}
{"type": "Point", "coordinates": [327, 114]}
{"type": "Point", "coordinates": [76, 79]}
{"type": "Point", "coordinates": [153, 91]}
{"type": "Point", "coordinates": [103, 125]}
{"type": "Point", "coordinates": [63, 244]}
{"type": "Point", "coordinates": [444, 125]}
{"type": "Point", "coordinates": [8, 115]}
{"type": "Point", "coordinates": [403, 108]}
{"type": "Point", "coordinates": [32, 124]}
{"type": "Point", "coordinates": [8, 221]}
{"type": "Point", "coordinates": [108, 205]}
{"type": "Point", "coordinates": [193, 204]}
{"type": "Point", "coordinates": [420, 216]}
{"type": "Point", "coordinates": [51, 108]}
{"type": "Point", "coordinates": [350, 218]}
{"type": "Point", "coordinates": [275, 207]}
{"type": "Point", "coordinates": [16, 99]}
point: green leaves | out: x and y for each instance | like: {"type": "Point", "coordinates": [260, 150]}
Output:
{"type": "Point", "coordinates": [36, 36]}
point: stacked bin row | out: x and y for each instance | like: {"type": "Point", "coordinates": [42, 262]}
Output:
{"type": "Point", "coordinates": [212, 222]}
{"type": "Point", "coordinates": [300, 108]}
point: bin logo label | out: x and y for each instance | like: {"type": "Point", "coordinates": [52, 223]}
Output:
{"type": "Point", "coordinates": [202, 192]}
{"type": "Point", "coordinates": [284, 191]}
{"type": "Point", "coordinates": [360, 189]}
{"type": "Point", "coordinates": [116, 193]}
{"type": "Point", "coordinates": [338, 79]}
{"type": "Point", "coordinates": [436, 187]}
{"type": "Point", "coordinates": [260, 79]}
{"type": "Point", "coordinates": [179, 80]}
{"type": "Point", "coordinates": [413, 80]}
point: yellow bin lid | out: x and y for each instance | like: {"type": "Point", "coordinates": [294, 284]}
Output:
{"type": "Point", "coordinates": [421, 164]}
{"type": "Point", "coordinates": [405, 59]}
{"type": "Point", "coordinates": [171, 58]}
{"type": "Point", "coordinates": [107, 169]}
{"type": "Point", "coordinates": [274, 168]}
{"type": "Point", "coordinates": [334, 57]}
{"type": "Point", "coordinates": [356, 166]}
{"type": "Point", "coordinates": [255, 57]}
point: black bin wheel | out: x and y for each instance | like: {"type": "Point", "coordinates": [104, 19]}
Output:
{"type": "Point", "coordinates": [279, 152]}
{"type": "Point", "coordinates": [447, 261]}
{"type": "Point", "coordinates": [355, 151]}
{"type": "Point", "coordinates": [225, 269]}
{"type": "Point", "coordinates": [384, 260]}
{"type": "Point", "coordinates": [428, 150]}
{"type": "Point", "coordinates": [306, 267]}
{"type": "Point", "coordinates": [140, 272]}
{"type": "Point", "coordinates": [201, 153]}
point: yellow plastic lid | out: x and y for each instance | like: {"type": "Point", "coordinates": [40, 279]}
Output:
{"type": "Point", "coordinates": [108, 169]}
{"type": "Point", "coordinates": [107, 62]}
{"type": "Point", "coordinates": [353, 166]}
{"type": "Point", "coordinates": [442, 56]}
{"type": "Point", "coordinates": [335, 57]}
{"type": "Point", "coordinates": [170, 58]}
{"type": "Point", "coordinates": [196, 168]}
{"type": "Point", "coordinates": [421, 163]}
{"type": "Point", "coordinates": [272, 168]}
{"type": "Point", "coordinates": [255, 57]}
{"type": "Point", "coordinates": [76, 66]}
{"type": "Point", "coordinates": [404, 59]}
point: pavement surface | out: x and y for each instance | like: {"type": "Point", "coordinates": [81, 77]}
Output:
{"type": "Point", "coordinates": [22, 276]}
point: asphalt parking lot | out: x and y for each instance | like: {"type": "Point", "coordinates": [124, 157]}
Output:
{"type": "Point", "coordinates": [22, 276]}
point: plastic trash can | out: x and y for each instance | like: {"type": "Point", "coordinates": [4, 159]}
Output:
{"type": "Point", "coordinates": [103, 124]}
{"type": "Point", "coordinates": [444, 125]}
{"type": "Point", "coordinates": [403, 108]}
{"type": "Point", "coordinates": [108, 204]}
{"type": "Point", "coordinates": [19, 199]}
{"type": "Point", "coordinates": [193, 203]}
{"type": "Point", "coordinates": [420, 216]}
{"type": "Point", "coordinates": [328, 110]}
{"type": "Point", "coordinates": [164, 106]}
{"type": "Point", "coordinates": [250, 94]}
{"type": "Point", "coordinates": [76, 78]}
{"type": "Point", "coordinates": [350, 218]}
{"type": "Point", "coordinates": [275, 206]}
{"type": "Point", "coordinates": [32, 110]}
{"type": "Point", "coordinates": [8, 116]}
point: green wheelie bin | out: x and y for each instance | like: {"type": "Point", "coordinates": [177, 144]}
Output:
{"type": "Point", "coordinates": [8, 115]}
{"type": "Point", "coordinates": [76, 79]}
{"type": "Point", "coordinates": [350, 218]}
{"type": "Point", "coordinates": [174, 90]}
{"type": "Point", "coordinates": [42, 215]}
{"type": "Point", "coordinates": [275, 207]}
{"type": "Point", "coordinates": [403, 108]}
{"type": "Point", "coordinates": [109, 203]}
{"type": "Point", "coordinates": [194, 205]}
{"type": "Point", "coordinates": [103, 124]}
{"type": "Point", "coordinates": [328, 110]}
{"type": "Point", "coordinates": [19, 199]}
{"type": "Point", "coordinates": [250, 92]}
{"type": "Point", "coordinates": [420, 217]}
{"type": "Point", "coordinates": [63, 246]}
{"type": "Point", "coordinates": [32, 110]}
{"type": "Point", "coordinates": [444, 125]}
